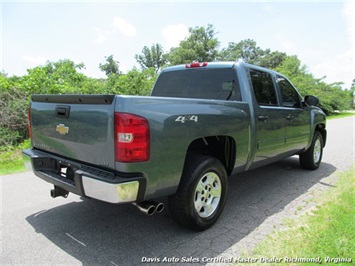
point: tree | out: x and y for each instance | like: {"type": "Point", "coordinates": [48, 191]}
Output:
{"type": "Point", "coordinates": [110, 67]}
{"type": "Point", "coordinates": [249, 52]}
{"type": "Point", "coordinates": [352, 94]}
{"type": "Point", "coordinates": [272, 60]}
{"type": "Point", "coordinates": [55, 77]}
{"type": "Point", "coordinates": [152, 57]}
{"type": "Point", "coordinates": [352, 85]}
{"type": "Point", "coordinates": [133, 83]}
{"type": "Point", "coordinates": [245, 50]}
{"type": "Point", "coordinates": [201, 45]}
{"type": "Point", "coordinates": [5, 82]}
{"type": "Point", "coordinates": [331, 96]}
{"type": "Point", "coordinates": [292, 67]}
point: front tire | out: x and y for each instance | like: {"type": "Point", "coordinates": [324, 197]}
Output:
{"type": "Point", "coordinates": [202, 193]}
{"type": "Point", "coordinates": [312, 158]}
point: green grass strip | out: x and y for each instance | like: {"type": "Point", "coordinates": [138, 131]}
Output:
{"type": "Point", "coordinates": [340, 115]}
{"type": "Point", "coordinates": [326, 235]}
{"type": "Point", "coordinates": [11, 161]}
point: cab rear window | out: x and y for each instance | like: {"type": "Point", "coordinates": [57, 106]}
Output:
{"type": "Point", "coordinates": [218, 84]}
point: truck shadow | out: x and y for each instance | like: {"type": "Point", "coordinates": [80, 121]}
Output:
{"type": "Point", "coordinates": [98, 233]}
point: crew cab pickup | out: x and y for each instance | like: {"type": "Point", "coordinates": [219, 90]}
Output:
{"type": "Point", "coordinates": [202, 123]}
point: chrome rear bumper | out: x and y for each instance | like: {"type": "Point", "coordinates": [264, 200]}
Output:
{"type": "Point", "coordinates": [84, 180]}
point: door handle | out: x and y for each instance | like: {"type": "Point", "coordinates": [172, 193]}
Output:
{"type": "Point", "coordinates": [62, 111]}
{"type": "Point", "coordinates": [263, 118]}
{"type": "Point", "coordinates": [289, 117]}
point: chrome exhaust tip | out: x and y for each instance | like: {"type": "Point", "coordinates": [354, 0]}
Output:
{"type": "Point", "coordinates": [159, 206]}
{"type": "Point", "coordinates": [146, 207]}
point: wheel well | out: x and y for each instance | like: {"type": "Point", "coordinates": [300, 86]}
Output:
{"type": "Point", "coordinates": [321, 129]}
{"type": "Point", "coordinates": [221, 147]}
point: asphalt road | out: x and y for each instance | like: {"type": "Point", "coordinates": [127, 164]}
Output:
{"type": "Point", "coordinates": [39, 230]}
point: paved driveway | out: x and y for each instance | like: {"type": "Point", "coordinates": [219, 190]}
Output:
{"type": "Point", "coordinates": [37, 229]}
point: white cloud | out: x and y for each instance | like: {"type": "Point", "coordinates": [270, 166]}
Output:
{"type": "Point", "coordinates": [173, 34]}
{"type": "Point", "coordinates": [337, 68]}
{"type": "Point", "coordinates": [124, 27]}
{"type": "Point", "coordinates": [289, 46]}
{"type": "Point", "coordinates": [268, 7]}
{"type": "Point", "coordinates": [124, 68]}
{"type": "Point", "coordinates": [33, 61]}
{"type": "Point", "coordinates": [341, 66]}
{"type": "Point", "coordinates": [101, 36]}
{"type": "Point", "coordinates": [284, 43]}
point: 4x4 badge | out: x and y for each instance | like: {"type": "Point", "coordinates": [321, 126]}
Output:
{"type": "Point", "coordinates": [62, 129]}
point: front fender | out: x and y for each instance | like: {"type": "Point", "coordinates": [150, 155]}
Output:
{"type": "Point", "coordinates": [318, 122]}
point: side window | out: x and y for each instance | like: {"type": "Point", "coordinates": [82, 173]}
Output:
{"type": "Point", "coordinates": [290, 97]}
{"type": "Point", "coordinates": [263, 87]}
{"type": "Point", "coordinates": [218, 84]}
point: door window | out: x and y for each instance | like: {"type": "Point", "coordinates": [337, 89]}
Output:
{"type": "Point", "coordinates": [263, 87]}
{"type": "Point", "coordinates": [290, 97]}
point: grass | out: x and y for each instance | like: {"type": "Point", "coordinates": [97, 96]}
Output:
{"type": "Point", "coordinates": [340, 115]}
{"type": "Point", "coordinates": [328, 233]}
{"type": "Point", "coordinates": [11, 160]}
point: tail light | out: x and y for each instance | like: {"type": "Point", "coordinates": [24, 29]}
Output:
{"type": "Point", "coordinates": [196, 64]}
{"type": "Point", "coordinates": [29, 123]}
{"type": "Point", "coordinates": [132, 138]}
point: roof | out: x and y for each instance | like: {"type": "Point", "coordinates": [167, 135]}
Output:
{"type": "Point", "coordinates": [209, 65]}
{"type": "Point", "coordinates": [225, 64]}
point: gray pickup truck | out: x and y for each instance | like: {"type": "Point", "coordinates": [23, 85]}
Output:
{"type": "Point", "coordinates": [202, 123]}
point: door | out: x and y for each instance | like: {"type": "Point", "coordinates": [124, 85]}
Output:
{"type": "Point", "coordinates": [269, 118]}
{"type": "Point", "coordinates": [297, 119]}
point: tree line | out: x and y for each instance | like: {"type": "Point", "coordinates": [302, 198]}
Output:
{"type": "Point", "coordinates": [201, 44]}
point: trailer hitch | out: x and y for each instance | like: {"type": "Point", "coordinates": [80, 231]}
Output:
{"type": "Point", "coordinates": [58, 191]}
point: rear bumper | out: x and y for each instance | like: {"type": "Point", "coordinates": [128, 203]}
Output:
{"type": "Point", "coordinates": [85, 180]}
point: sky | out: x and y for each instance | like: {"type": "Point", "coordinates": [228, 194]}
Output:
{"type": "Point", "coordinates": [320, 33]}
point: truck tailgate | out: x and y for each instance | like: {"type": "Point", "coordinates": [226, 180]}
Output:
{"type": "Point", "coordinates": [78, 127]}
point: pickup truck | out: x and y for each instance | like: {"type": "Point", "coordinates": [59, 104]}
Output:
{"type": "Point", "coordinates": [202, 123]}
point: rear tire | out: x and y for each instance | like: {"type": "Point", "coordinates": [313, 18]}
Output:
{"type": "Point", "coordinates": [312, 157]}
{"type": "Point", "coordinates": [201, 195]}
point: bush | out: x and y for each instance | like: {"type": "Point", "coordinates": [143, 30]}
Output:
{"type": "Point", "coordinates": [13, 117]}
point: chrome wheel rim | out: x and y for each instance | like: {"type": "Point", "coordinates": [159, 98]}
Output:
{"type": "Point", "coordinates": [317, 151]}
{"type": "Point", "coordinates": [207, 195]}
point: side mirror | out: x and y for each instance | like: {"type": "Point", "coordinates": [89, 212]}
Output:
{"type": "Point", "coordinates": [311, 100]}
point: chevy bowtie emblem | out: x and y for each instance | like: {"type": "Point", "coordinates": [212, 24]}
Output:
{"type": "Point", "coordinates": [62, 129]}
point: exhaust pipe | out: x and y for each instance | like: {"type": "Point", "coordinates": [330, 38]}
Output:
{"type": "Point", "coordinates": [146, 207]}
{"type": "Point", "coordinates": [57, 191]}
{"type": "Point", "coordinates": [150, 207]}
{"type": "Point", "coordinates": [159, 206]}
